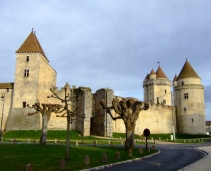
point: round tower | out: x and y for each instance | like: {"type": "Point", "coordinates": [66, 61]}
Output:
{"type": "Point", "coordinates": [157, 88]}
{"type": "Point", "coordinates": [189, 100]}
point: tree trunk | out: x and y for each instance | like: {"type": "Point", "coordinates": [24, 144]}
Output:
{"type": "Point", "coordinates": [67, 155]}
{"type": "Point", "coordinates": [129, 143]}
{"type": "Point", "coordinates": [43, 137]}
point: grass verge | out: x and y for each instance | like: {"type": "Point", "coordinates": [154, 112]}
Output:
{"type": "Point", "coordinates": [16, 157]}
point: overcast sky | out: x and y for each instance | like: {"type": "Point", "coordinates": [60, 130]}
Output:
{"type": "Point", "coordinates": [111, 43]}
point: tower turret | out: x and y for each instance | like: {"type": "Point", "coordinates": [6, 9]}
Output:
{"type": "Point", "coordinates": [157, 88]}
{"type": "Point", "coordinates": [189, 98]}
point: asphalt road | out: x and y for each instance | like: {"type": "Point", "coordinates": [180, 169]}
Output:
{"type": "Point", "coordinates": [171, 158]}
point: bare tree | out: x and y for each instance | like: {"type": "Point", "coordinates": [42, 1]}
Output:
{"type": "Point", "coordinates": [128, 110]}
{"type": "Point", "coordinates": [45, 110]}
{"type": "Point", "coordinates": [69, 110]}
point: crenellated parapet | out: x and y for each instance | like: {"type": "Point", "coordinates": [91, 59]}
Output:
{"type": "Point", "coordinates": [161, 81]}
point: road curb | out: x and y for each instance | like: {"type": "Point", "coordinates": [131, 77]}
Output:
{"type": "Point", "coordinates": [122, 162]}
{"type": "Point", "coordinates": [197, 162]}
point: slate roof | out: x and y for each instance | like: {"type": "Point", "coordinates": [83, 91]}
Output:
{"type": "Point", "coordinates": [187, 72]}
{"type": "Point", "coordinates": [31, 44]}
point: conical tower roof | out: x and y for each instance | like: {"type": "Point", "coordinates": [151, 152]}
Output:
{"type": "Point", "coordinates": [147, 76]}
{"type": "Point", "coordinates": [152, 72]}
{"type": "Point", "coordinates": [31, 44]}
{"type": "Point", "coordinates": [175, 78]}
{"type": "Point", "coordinates": [187, 72]}
{"type": "Point", "coordinates": [160, 73]}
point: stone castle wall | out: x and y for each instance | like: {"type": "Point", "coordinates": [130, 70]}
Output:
{"type": "Point", "coordinates": [158, 119]}
{"type": "Point", "coordinates": [7, 106]}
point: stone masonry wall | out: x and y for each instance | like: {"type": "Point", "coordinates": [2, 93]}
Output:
{"type": "Point", "coordinates": [158, 119]}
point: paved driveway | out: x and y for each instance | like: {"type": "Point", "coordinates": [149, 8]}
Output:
{"type": "Point", "coordinates": [172, 158]}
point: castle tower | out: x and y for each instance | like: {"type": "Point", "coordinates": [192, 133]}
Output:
{"type": "Point", "coordinates": [157, 88]}
{"type": "Point", "coordinates": [189, 100]}
{"type": "Point", "coordinates": [33, 79]}
{"type": "Point", "coordinates": [33, 74]}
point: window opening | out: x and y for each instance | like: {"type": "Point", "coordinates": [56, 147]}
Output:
{"type": "Point", "coordinates": [186, 95]}
{"type": "Point", "coordinates": [26, 73]}
{"type": "Point", "coordinates": [24, 104]}
{"type": "Point", "coordinates": [27, 58]}
{"type": "Point", "coordinates": [185, 109]}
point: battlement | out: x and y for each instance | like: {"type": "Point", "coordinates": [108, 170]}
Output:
{"type": "Point", "coordinates": [159, 81]}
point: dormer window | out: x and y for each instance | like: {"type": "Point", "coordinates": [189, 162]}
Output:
{"type": "Point", "coordinates": [27, 58]}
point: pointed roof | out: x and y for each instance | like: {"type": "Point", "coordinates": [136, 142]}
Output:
{"type": "Point", "coordinates": [175, 78]}
{"type": "Point", "coordinates": [160, 73]}
{"type": "Point", "coordinates": [31, 44]}
{"type": "Point", "coordinates": [152, 72]}
{"type": "Point", "coordinates": [147, 76]}
{"type": "Point", "coordinates": [187, 72]}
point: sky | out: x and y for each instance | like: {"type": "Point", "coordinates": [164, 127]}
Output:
{"type": "Point", "coordinates": [111, 43]}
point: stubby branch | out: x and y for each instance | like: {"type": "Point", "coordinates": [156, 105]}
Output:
{"type": "Point", "coordinates": [128, 110]}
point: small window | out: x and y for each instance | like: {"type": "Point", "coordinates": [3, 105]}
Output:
{"type": "Point", "coordinates": [185, 109]}
{"type": "Point", "coordinates": [26, 73]}
{"type": "Point", "coordinates": [164, 101]}
{"type": "Point", "coordinates": [24, 104]}
{"type": "Point", "coordinates": [8, 90]}
{"type": "Point", "coordinates": [182, 83]}
{"type": "Point", "coordinates": [185, 95]}
{"type": "Point", "coordinates": [165, 91]}
{"type": "Point", "coordinates": [192, 120]}
{"type": "Point", "coordinates": [27, 58]}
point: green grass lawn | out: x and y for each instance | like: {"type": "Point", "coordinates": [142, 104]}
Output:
{"type": "Point", "coordinates": [22, 135]}
{"type": "Point", "coordinates": [15, 157]}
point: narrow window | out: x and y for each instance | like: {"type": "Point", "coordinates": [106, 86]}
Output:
{"type": "Point", "coordinates": [192, 120]}
{"type": "Point", "coordinates": [185, 109]}
{"type": "Point", "coordinates": [165, 91]}
{"type": "Point", "coordinates": [27, 58]}
{"type": "Point", "coordinates": [26, 73]}
{"type": "Point", "coordinates": [24, 104]}
{"type": "Point", "coordinates": [185, 95]}
{"type": "Point", "coordinates": [182, 83]}
{"type": "Point", "coordinates": [8, 90]}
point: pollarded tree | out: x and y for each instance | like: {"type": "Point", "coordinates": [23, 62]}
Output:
{"type": "Point", "coordinates": [69, 111]}
{"type": "Point", "coordinates": [128, 110]}
{"type": "Point", "coordinates": [45, 110]}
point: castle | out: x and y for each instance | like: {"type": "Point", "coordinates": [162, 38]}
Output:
{"type": "Point", "coordinates": [34, 77]}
